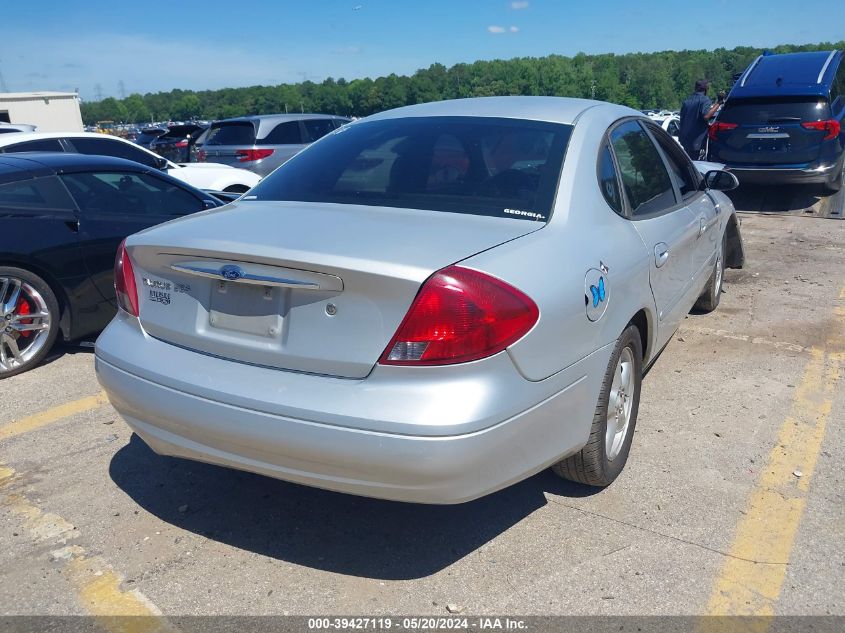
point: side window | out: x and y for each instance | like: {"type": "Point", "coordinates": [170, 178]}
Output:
{"type": "Point", "coordinates": [839, 85]}
{"type": "Point", "coordinates": [644, 177]}
{"type": "Point", "coordinates": [109, 147]}
{"type": "Point", "coordinates": [340, 122]}
{"type": "Point", "coordinates": [316, 129]}
{"type": "Point", "coordinates": [35, 193]}
{"type": "Point", "coordinates": [609, 179]}
{"type": "Point", "coordinates": [287, 133]}
{"type": "Point", "coordinates": [673, 128]}
{"type": "Point", "coordinates": [40, 145]}
{"type": "Point", "coordinates": [127, 193]}
{"type": "Point", "coordinates": [681, 171]}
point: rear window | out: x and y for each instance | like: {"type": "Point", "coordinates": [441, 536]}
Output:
{"type": "Point", "coordinates": [763, 111]}
{"type": "Point", "coordinates": [148, 137]}
{"type": "Point", "coordinates": [241, 133]}
{"type": "Point", "coordinates": [476, 165]}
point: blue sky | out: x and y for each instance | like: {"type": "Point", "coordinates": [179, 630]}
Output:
{"type": "Point", "coordinates": [155, 45]}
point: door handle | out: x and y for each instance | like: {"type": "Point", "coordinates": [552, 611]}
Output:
{"type": "Point", "coordinates": [661, 254]}
{"type": "Point", "coordinates": [702, 226]}
{"type": "Point", "coordinates": [73, 225]}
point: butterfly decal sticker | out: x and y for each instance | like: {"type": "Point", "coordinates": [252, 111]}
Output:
{"type": "Point", "coordinates": [598, 292]}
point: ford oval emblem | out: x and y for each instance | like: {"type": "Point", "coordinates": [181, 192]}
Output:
{"type": "Point", "coordinates": [231, 272]}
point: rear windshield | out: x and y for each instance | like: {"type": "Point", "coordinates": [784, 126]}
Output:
{"type": "Point", "coordinates": [240, 133]}
{"type": "Point", "coordinates": [477, 165]}
{"type": "Point", "coordinates": [762, 111]}
{"type": "Point", "coordinates": [146, 137]}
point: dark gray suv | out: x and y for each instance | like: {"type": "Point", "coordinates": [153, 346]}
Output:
{"type": "Point", "coordinates": [263, 142]}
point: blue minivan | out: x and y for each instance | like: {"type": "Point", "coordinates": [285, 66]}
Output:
{"type": "Point", "coordinates": [783, 121]}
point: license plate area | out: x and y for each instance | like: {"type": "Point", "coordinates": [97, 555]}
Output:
{"type": "Point", "coordinates": [770, 142]}
{"type": "Point", "coordinates": [246, 308]}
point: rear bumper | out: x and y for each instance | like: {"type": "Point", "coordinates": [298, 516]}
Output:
{"type": "Point", "coordinates": [784, 175]}
{"type": "Point", "coordinates": [475, 444]}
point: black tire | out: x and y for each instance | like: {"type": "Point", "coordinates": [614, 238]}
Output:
{"type": "Point", "coordinates": [591, 465]}
{"type": "Point", "coordinates": [709, 299]}
{"type": "Point", "coordinates": [52, 307]}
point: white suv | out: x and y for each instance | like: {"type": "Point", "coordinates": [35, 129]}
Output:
{"type": "Point", "coordinates": [209, 176]}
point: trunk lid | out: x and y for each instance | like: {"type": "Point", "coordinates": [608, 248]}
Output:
{"type": "Point", "coordinates": [318, 288]}
{"type": "Point", "coordinates": [769, 131]}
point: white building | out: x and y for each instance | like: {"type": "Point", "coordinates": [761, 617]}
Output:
{"type": "Point", "coordinates": [50, 111]}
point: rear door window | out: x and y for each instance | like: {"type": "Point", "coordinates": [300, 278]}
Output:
{"type": "Point", "coordinates": [759, 111]}
{"type": "Point", "coordinates": [39, 145]}
{"type": "Point", "coordinates": [286, 133]}
{"type": "Point", "coordinates": [316, 129]}
{"type": "Point", "coordinates": [644, 177]}
{"type": "Point", "coordinates": [477, 165]}
{"type": "Point", "coordinates": [112, 147]}
{"type": "Point", "coordinates": [235, 133]}
{"type": "Point", "coordinates": [35, 194]}
{"type": "Point", "coordinates": [125, 193]}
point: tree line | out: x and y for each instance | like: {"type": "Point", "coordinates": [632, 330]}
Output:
{"type": "Point", "coordinates": [639, 80]}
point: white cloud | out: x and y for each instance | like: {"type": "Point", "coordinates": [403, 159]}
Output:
{"type": "Point", "coordinates": [519, 4]}
{"type": "Point", "coordinates": [514, 29]}
{"type": "Point", "coordinates": [496, 29]}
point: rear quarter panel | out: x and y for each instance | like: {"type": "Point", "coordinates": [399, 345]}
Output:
{"type": "Point", "coordinates": [551, 264]}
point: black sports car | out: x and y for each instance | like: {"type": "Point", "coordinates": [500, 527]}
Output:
{"type": "Point", "coordinates": [62, 218]}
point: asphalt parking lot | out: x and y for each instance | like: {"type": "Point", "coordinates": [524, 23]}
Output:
{"type": "Point", "coordinates": [732, 501]}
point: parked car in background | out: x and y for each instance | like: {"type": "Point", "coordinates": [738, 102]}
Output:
{"type": "Point", "coordinates": [262, 143]}
{"type": "Point", "coordinates": [783, 121]}
{"type": "Point", "coordinates": [431, 305]}
{"type": "Point", "coordinates": [177, 143]}
{"type": "Point", "coordinates": [8, 128]}
{"type": "Point", "coordinates": [62, 217]}
{"type": "Point", "coordinates": [147, 135]}
{"type": "Point", "coordinates": [209, 176]}
{"type": "Point", "coordinates": [671, 123]}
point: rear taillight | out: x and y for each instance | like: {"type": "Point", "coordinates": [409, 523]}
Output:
{"type": "Point", "coordinates": [831, 127]}
{"type": "Point", "coordinates": [124, 281]}
{"type": "Point", "coordinates": [246, 155]}
{"type": "Point", "coordinates": [713, 130]}
{"type": "Point", "coordinates": [201, 155]}
{"type": "Point", "coordinates": [182, 143]}
{"type": "Point", "coordinates": [460, 315]}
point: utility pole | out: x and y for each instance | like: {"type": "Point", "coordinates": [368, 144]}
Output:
{"type": "Point", "coordinates": [98, 92]}
{"type": "Point", "coordinates": [593, 89]}
{"type": "Point", "coordinates": [121, 89]}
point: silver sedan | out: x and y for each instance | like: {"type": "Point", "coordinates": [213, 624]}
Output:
{"type": "Point", "coordinates": [426, 305]}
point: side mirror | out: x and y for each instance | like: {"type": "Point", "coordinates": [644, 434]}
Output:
{"type": "Point", "coordinates": [161, 163]}
{"type": "Point", "coordinates": [719, 180]}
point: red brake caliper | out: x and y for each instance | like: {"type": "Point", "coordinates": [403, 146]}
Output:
{"type": "Point", "coordinates": [23, 308]}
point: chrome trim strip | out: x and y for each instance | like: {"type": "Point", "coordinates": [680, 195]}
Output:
{"type": "Point", "coordinates": [780, 135]}
{"type": "Point", "coordinates": [824, 68]}
{"type": "Point", "coordinates": [750, 68]}
{"type": "Point", "coordinates": [247, 278]}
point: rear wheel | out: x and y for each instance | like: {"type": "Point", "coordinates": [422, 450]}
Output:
{"type": "Point", "coordinates": [29, 320]}
{"type": "Point", "coordinates": [604, 456]}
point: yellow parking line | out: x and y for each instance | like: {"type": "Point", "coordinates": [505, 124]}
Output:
{"type": "Point", "coordinates": [751, 578]}
{"type": "Point", "coordinates": [37, 420]}
{"type": "Point", "coordinates": [97, 585]}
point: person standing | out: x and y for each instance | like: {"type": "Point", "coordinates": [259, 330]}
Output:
{"type": "Point", "coordinates": [696, 111]}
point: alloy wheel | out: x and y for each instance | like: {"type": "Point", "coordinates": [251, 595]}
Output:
{"type": "Point", "coordinates": [620, 404]}
{"type": "Point", "coordinates": [24, 323]}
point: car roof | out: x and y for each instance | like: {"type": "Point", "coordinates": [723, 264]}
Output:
{"type": "Point", "coordinates": [272, 118]}
{"type": "Point", "coordinates": [20, 166]}
{"type": "Point", "coordinates": [565, 110]}
{"type": "Point", "coordinates": [788, 74]}
{"type": "Point", "coordinates": [17, 137]}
